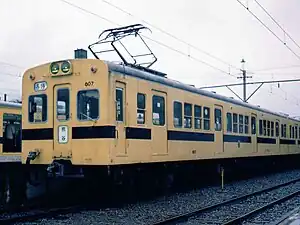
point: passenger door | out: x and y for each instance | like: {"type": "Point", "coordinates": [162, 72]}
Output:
{"type": "Point", "coordinates": [254, 133]}
{"type": "Point", "coordinates": [62, 119]}
{"type": "Point", "coordinates": [120, 109]}
{"type": "Point", "coordinates": [218, 112]}
{"type": "Point", "coordinates": [159, 123]}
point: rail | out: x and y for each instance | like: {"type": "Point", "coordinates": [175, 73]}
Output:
{"type": "Point", "coordinates": [196, 213]}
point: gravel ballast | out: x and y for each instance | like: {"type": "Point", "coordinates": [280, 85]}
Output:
{"type": "Point", "coordinates": [163, 207]}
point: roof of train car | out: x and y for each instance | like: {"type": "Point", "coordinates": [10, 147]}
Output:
{"type": "Point", "coordinates": [121, 68]}
{"type": "Point", "coordinates": [10, 105]}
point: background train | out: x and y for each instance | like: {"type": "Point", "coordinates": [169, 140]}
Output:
{"type": "Point", "coordinates": [11, 173]}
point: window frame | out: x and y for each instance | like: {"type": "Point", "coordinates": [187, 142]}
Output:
{"type": "Point", "coordinates": [77, 104]}
{"type": "Point", "coordinates": [164, 110]}
{"type": "Point", "coordinates": [231, 122]}
{"type": "Point", "coordinates": [141, 109]}
{"type": "Point", "coordinates": [215, 119]}
{"type": "Point", "coordinates": [246, 125]}
{"type": "Point", "coordinates": [43, 121]}
{"type": "Point", "coordinates": [206, 118]}
{"type": "Point", "coordinates": [277, 129]}
{"type": "Point", "coordinates": [188, 116]}
{"type": "Point", "coordinates": [198, 118]}
{"type": "Point", "coordinates": [272, 128]}
{"type": "Point", "coordinates": [235, 123]}
{"type": "Point", "coordinates": [181, 114]}
{"type": "Point", "coordinates": [241, 131]}
{"type": "Point", "coordinates": [69, 107]}
{"type": "Point", "coordinates": [253, 131]}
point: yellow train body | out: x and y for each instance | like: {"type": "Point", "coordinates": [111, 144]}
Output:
{"type": "Point", "coordinates": [91, 112]}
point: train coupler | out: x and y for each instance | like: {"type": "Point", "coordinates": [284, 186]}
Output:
{"type": "Point", "coordinates": [32, 155]}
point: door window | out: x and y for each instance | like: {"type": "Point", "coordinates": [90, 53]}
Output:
{"type": "Point", "coordinates": [158, 110]}
{"type": "Point", "coordinates": [218, 119]}
{"type": "Point", "coordinates": [119, 105]}
{"type": "Point", "coordinates": [253, 125]}
{"type": "Point", "coordinates": [63, 104]}
{"type": "Point", "coordinates": [141, 108]}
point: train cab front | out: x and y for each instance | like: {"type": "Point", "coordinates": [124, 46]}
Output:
{"type": "Point", "coordinates": [58, 99]}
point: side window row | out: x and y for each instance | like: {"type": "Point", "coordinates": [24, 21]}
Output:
{"type": "Point", "coordinates": [200, 114]}
{"type": "Point", "coordinates": [237, 123]}
{"type": "Point", "coordinates": [158, 109]}
{"type": "Point", "coordinates": [87, 106]}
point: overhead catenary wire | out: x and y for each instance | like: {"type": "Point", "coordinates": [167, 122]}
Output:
{"type": "Point", "coordinates": [10, 64]}
{"type": "Point", "coordinates": [276, 68]}
{"type": "Point", "coordinates": [171, 35]}
{"type": "Point", "coordinates": [157, 42]}
{"type": "Point", "coordinates": [264, 25]}
{"type": "Point", "coordinates": [272, 18]}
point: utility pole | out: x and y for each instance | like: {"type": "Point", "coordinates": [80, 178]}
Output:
{"type": "Point", "coordinates": [244, 80]}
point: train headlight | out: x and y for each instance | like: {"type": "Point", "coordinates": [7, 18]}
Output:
{"type": "Point", "coordinates": [54, 68]}
{"type": "Point", "coordinates": [65, 67]}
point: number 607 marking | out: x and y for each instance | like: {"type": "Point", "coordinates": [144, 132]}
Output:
{"type": "Point", "coordinates": [89, 83]}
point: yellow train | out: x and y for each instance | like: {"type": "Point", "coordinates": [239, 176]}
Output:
{"type": "Point", "coordinates": [87, 114]}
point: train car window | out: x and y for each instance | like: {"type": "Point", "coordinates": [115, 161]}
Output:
{"type": "Point", "coordinates": [141, 108]}
{"type": "Point", "coordinates": [277, 129]}
{"type": "Point", "coordinates": [235, 123]}
{"type": "Point", "coordinates": [88, 105]}
{"type": "Point", "coordinates": [37, 108]}
{"type": "Point", "coordinates": [272, 129]}
{"type": "Point", "coordinates": [241, 124]}
{"type": "Point", "coordinates": [268, 128]}
{"type": "Point", "coordinates": [158, 110]}
{"type": "Point", "coordinates": [119, 104]}
{"type": "Point", "coordinates": [264, 127]}
{"type": "Point", "coordinates": [187, 115]}
{"type": "Point", "coordinates": [218, 119]}
{"type": "Point", "coordinates": [198, 117]}
{"type": "Point", "coordinates": [11, 133]}
{"type": "Point", "coordinates": [229, 122]}
{"type": "Point", "coordinates": [62, 104]}
{"type": "Point", "coordinates": [177, 117]}
{"type": "Point", "coordinates": [260, 127]}
{"type": "Point", "coordinates": [246, 124]}
{"type": "Point", "coordinates": [296, 132]}
{"type": "Point", "coordinates": [253, 125]}
{"type": "Point", "coordinates": [284, 131]}
{"type": "Point", "coordinates": [206, 118]}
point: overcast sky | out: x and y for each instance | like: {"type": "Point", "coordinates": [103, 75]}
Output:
{"type": "Point", "coordinates": [39, 31]}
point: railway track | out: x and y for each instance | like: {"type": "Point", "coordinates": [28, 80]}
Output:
{"type": "Point", "coordinates": [38, 214]}
{"type": "Point", "coordinates": [240, 208]}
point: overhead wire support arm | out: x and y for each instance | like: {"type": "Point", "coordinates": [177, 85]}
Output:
{"type": "Point", "coordinates": [234, 93]}
{"type": "Point", "coordinates": [255, 82]}
{"type": "Point", "coordinates": [258, 82]}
